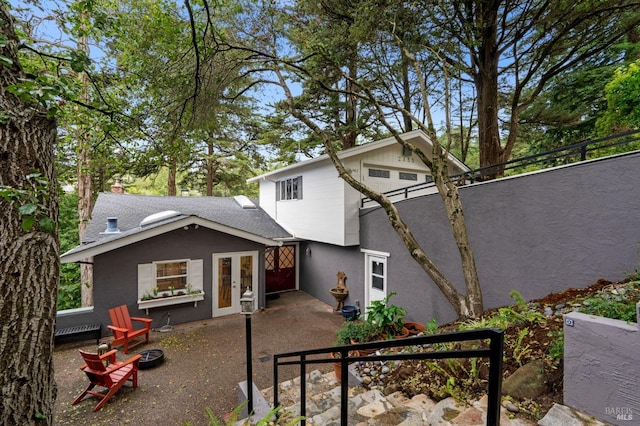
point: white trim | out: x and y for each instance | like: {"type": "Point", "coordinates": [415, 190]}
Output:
{"type": "Point", "coordinates": [123, 239]}
{"type": "Point", "coordinates": [357, 150]}
{"type": "Point", "coordinates": [172, 300]}
{"type": "Point", "coordinates": [369, 255]}
{"type": "Point", "coordinates": [74, 311]}
{"type": "Point", "coordinates": [375, 252]}
{"type": "Point", "coordinates": [255, 284]}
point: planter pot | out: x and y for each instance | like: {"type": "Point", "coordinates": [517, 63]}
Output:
{"type": "Point", "coordinates": [402, 335]}
{"type": "Point", "coordinates": [364, 352]}
{"type": "Point", "coordinates": [414, 328]}
{"type": "Point", "coordinates": [349, 312]}
{"type": "Point", "coordinates": [337, 366]}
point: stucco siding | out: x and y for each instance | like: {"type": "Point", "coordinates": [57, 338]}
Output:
{"type": "Point", "coordinates": [537, 233]}
{"type": "Point", "coordinates": [318, 271]}
{"type": "Point", "coordinates": [601, 366]}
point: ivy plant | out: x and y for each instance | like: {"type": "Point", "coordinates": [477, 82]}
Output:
{"type": "Point", "coordinates": [32, 202]}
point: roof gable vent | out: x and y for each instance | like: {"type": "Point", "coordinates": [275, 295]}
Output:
{"type": "Point", "coordinates": [244, 202]}
{"type": "Point", "coordinates": [157, 217]}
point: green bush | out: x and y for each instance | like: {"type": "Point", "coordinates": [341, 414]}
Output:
{"type": "Point", "coordinates": [387, 318]}
{"type": "Point", "coordinates": [620, 305]}
{"type": "Point", "coordinates": [358, 331]}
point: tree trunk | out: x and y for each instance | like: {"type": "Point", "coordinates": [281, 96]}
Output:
{"type": "Point", "coordinates": [171, 181]}
{"type": "Point", "coordinates": [210, 169]}
{"type": "Point", "coordinates": [351, 113]}
{"type": "Point", "coordinates": [85, 185]}
{"type": "Point", "coordinates": [486, 82]}
{"type": "Point", "coordinates": [29, 260]}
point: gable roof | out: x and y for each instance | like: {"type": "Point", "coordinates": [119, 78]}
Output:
{"type": "Point", "coordinates": [416, 137]}
{"type": "Point", "coordinates": [218, 213]}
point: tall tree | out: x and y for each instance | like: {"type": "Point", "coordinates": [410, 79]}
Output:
{"type": "Point", "coordinates": [520, 46]}
{"type": "Point", "coordinates": [295, 67]}
{"type": "Point", "coordinates": [29, 247]}
{"type": "Point", "coordinates": [623, 101]}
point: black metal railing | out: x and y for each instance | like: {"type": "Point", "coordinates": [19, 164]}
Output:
{"type": "Point", "coordinates": [581, 151]}
{"type": "Point", "coordinates": [494, 352]}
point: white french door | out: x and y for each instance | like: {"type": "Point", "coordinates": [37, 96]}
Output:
{"type": "Point", "coordinates": [375, 277]}
{"type": "Point", "coordinates": [233, 274]}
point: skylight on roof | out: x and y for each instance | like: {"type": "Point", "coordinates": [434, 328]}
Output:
{"type": "Point", "coordinates": [157, 217]}
{"type": "Point", "coordinates": [244, 202]}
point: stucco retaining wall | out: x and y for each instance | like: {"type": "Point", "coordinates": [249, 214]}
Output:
{"type": "Point", "coordinates": [537, 233]}
{"type": "Point", "coordinates": [602, 368]}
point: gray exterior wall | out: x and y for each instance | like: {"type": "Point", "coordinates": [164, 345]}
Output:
{"type": "Point", "coordinates": [116, 273]}
{"type": "Point", "coordinates": [602, 356]}
{"type": "Point", "coordinates": [536, 233]}
{"type": "Point", "coordinates": [318, 272]}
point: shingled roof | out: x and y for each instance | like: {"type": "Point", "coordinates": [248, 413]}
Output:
{"type": "Point", "coordinates": [230, 214]}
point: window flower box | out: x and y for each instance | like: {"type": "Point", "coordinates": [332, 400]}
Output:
{"type": "Point", "coordinates": [166, 300]}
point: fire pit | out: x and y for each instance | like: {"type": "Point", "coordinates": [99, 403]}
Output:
{"type": "Point", "coordinates": [151, 358]}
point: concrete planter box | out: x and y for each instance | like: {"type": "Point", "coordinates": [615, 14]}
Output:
{"type": "Point", "coordinates": [602, 367]}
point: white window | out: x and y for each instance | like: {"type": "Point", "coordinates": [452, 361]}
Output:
{"type": "Point", "coordinates": [408, 176]}
{"type": "Point", "coordinates": [379, 173]}
{"type": "Point", "coordinates": [169, 278]}
{"type": "Point", "coordinates": [378, 273]}
{"type": "Point", "coordinates": [289, 189]}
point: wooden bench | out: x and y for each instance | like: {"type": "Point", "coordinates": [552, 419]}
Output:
{"type": "Point", "coordinates": [79, 331]}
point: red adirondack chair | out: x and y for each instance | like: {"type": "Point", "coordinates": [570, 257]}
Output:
{"type": "Point", "coordinates": [123, 330]}
{"type": "Point", "coordinates": [111, 377]}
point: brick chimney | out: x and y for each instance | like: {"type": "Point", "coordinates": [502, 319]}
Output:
{"type": "Point", "coordinates": [117, 187]}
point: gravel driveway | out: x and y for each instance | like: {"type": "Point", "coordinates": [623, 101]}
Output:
{"type": "Point", "coordinates": [204, 362]}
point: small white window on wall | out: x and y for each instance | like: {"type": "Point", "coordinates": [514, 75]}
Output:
{"type": "Point", "coordinates": [169, 277]}
{"type": "Point", "coordinates": [289, 189]}
{"type": "Point", "coordinates": [379, 173]}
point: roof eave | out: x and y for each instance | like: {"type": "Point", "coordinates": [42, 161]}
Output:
{"type": "Point", "coordinates": [97, 248]}
{"type": "Point", "coordinates": [359, 149]}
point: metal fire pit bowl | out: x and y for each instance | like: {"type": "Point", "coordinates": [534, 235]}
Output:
{"type": "Point", "coordinates": [151, 358]}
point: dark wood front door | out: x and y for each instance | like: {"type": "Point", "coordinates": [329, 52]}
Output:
{"type": "Point", "coordinates": [280, 264]}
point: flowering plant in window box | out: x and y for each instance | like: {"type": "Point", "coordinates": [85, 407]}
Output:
{"type": "Point", "coordinates": [156, 298]}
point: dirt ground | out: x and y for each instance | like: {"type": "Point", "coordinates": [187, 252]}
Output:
{"type": "Point", "coordinates": [204, 362]}
{"type": "Point", "coordinates": [535, 345]}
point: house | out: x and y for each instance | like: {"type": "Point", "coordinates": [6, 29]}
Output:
{"type": "Point", "coordinates": [323, 212]}
{"type": "Point", "coordinates": [176, 259]}
{"type": "Point", "coordinates": [537, 233]}
{"type": "Point", "coordinates": [313, 203]}
{"type": "Point", "coordinates": [182, 259]}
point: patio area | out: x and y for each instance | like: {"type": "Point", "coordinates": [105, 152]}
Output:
{"type": "Point", "coordinates": [204, 362]}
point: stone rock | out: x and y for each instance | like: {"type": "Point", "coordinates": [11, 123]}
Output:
{"type": "Point", "coordinates": [391, 417]}
{"type": "Point", "coordinates": [389, 389]}
{"type": "Point", "coordinates": [510, 406]}
{"type": "Point", "coordinates": [444, 411]}
{"type": "Point", "coordinates": [373, 409]}
{"type": "Point", "coordinates": [421, 403]}
{"type": "Point", "coordinates": [470, 416]}
{"type": "Point", "coordinates": [526, 382]}
{"type": "Point", "coordinates": [565, 416]}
